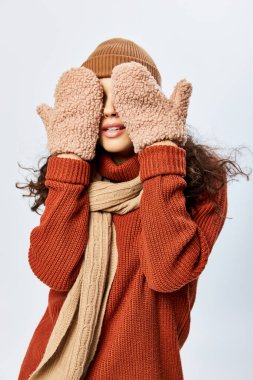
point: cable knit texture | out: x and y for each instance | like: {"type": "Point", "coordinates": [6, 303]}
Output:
{"type": "Point", "coordinates": [148, 115]}
{"type": "Point", "coordinates": [162, 250]}
{"type": "Point", "coordinates": [73, 124]}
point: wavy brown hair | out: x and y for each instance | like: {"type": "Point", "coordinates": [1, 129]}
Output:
{"type": "Point", "coordinates": [206, 173]}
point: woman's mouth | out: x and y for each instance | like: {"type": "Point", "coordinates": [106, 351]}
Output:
{"type": "Point", "coordinates": [113, 130]}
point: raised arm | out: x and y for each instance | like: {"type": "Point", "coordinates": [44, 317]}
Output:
{"type": "Point", "coordinates": [57, 245]}
{"type": "Point", "coordinates": [174, 247]}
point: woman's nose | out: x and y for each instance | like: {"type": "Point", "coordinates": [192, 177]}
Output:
{"type": "Point", "coordinates": [110, 113]}
{"type": "Point", "coordinates": [109, 109]}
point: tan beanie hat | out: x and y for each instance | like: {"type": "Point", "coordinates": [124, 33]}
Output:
{"type": "Point", "coordinates": [114, 51]}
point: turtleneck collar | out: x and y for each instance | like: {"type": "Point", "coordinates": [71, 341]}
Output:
{"type": "Point", "coordinates": [124, 171]}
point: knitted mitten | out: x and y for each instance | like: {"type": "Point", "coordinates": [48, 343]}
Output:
{"type": "Point", "coordinates": [73, 124]}
{"type": "Point", "coordinates": [148, 115]}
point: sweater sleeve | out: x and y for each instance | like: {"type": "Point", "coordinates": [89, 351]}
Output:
{"type": "Point", "coordinates": [174, 247]}
{"type": "Point", "coordinates": [57, 244]}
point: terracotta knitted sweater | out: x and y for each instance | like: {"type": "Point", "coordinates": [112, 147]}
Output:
{"type": "Point", "coordinates": [162, 250]}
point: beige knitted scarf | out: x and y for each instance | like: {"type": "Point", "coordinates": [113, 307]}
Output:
{"type": "Point", "coordinates": [74, 338]}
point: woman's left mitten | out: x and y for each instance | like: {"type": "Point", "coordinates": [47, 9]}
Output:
{"type": "Point", "coordinates": [149, 116]}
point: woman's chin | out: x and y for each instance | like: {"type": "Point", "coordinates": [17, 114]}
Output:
{"type": "Point", "coordinates": [119, 144]}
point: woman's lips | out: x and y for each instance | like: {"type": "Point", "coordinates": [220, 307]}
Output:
{"type": "Point", "coordinates": [112, 130]}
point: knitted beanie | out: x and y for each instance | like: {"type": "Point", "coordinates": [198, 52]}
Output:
{"type": "Point", "coordinates": [114, 51]}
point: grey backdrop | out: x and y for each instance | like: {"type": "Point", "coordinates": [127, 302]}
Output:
{"type": "Point", "coordinates": [207, 43]}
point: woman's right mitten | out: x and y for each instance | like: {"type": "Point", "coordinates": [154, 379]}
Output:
{"type": "Point", "coordinates": [73, 124]}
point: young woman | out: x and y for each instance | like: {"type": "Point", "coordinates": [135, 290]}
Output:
{"type": "Point", "coordinates": [111, 117]}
